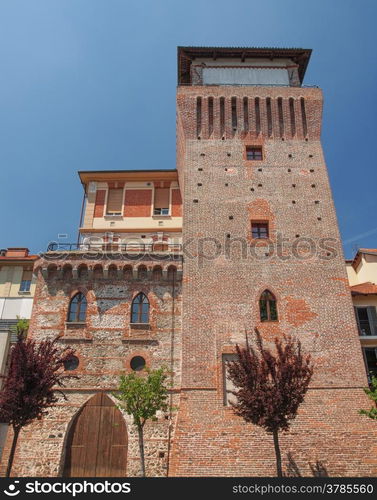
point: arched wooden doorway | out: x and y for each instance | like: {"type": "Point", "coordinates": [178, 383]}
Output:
{"type": "Point", "coordinates": [97, 441]}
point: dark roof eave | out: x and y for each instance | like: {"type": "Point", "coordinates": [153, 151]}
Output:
{"type": "Point", "coordinates": [126, 171]}
{"type": "Point", "coordinates": [298, 55]}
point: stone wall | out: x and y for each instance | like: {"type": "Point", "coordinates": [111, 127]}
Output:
{"type": "Point", "coordinates": [104, 346]}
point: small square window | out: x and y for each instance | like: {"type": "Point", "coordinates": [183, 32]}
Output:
{"type": "Point", "coordinates": [254, 153]}
{"type": "Point", "coordinates": [161, 211]}
{"type": "Point", "coordinates": [259, 230]}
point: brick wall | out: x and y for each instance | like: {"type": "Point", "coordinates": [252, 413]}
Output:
{"type": "Point", "coordinates": [221, 288]}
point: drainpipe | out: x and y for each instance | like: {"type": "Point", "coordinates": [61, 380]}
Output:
{"type": "Point", "coordinates": [81, 214]}
{"type": "Point", "coordinates": [171, 372]}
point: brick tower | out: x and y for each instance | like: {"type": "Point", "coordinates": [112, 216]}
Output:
{"type": "Point", "coordinates": [258, 216]}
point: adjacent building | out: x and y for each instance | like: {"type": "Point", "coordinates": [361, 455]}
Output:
{"type": "Point", "coordinates": [17, 287]}
{"type": "Point", "coordinates": [362, 275]}
{"type": "Point", "coordinates": [173, 267]}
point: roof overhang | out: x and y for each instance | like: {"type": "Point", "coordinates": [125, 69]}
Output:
{"type": "Point", "coordinates": [187, 54]}
{"type": "Point", "coordinates": [127, 175]}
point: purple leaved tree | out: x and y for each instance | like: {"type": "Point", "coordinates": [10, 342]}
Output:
{"type": "Point", "coordinates": [270, 385]}
{"type": "Point", "coordinates": [29, 389]}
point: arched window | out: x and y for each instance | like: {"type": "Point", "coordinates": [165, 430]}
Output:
{"type": "Point", "coordinates": [77, 308]}
{"type": "Point", "coordinates": [267, 307]}
{"type": "Point", "coordinates": [140, 309]}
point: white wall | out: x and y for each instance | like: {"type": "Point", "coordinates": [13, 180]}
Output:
{"type": "Point", "coordinates": [14, 307]}
{"type": "Point", "coordinates": [245, 76]}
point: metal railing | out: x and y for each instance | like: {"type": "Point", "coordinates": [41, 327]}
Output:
{"type": "Point", "coordinates": [116, 247]}
{"type": "Point", "coordinates": [246, 85]}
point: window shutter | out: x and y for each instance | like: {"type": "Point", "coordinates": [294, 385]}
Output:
{"type": "Point", "coordinates": [161, 198]}
{"type": "Point", "coordinates": [357, 319]}
{"type": "Point", "coordinates": [27, 275]}
{"type": "Point", "coordinates": [99, 203]}
{"type": "Point", "coordinates": [372, 319]}
{"type": "Point", "coordinates": [114, 201]}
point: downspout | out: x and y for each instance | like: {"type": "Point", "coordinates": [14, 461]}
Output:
{"type": "Point", "coordinates": [171, 372]}
{"type": "Point", "coordinates": [81, 214]}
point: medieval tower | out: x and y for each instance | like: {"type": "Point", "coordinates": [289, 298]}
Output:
{"type": "Point", "coordinates": [251, 170]}
{"type": "Point", "coordinates": [174, 267]}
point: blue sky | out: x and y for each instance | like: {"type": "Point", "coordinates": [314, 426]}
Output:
{"type": "Point", "coordinates": [90, 84]}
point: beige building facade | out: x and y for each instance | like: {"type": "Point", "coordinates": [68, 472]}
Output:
{"type": "Point", "coordinates": [362, 275]}
{"type": "Point", "coordinates": [17, 287]}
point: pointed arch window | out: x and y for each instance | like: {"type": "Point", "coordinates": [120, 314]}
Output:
{"type": "Point", "coordinates": [77, 308]}
{"type": "Point", "coordinates": [140, 309]}
{"type": "Point", "coordinates": [267, 307]}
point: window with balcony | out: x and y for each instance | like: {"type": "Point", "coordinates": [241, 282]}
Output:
{"type": "Point", "coordinates": [161, 201]}
{"type": "Point", "coordinates": [26, 281]}
{"type": "Point", "coordinates": [366, 318]}
{"type": "Point", "coordinates": [114, 201]}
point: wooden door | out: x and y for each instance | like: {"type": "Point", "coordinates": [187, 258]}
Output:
{"type": "Point", "coordinates": [97, 441]}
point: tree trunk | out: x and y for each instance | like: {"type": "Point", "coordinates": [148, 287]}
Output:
{"type": "Point", "coordinates": [279, 470]}
{"type": "Point", "coordinates": [141, 448]}
{"type": "Point", "coordinates": [16, 432]}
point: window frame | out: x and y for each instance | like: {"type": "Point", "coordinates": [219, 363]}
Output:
{"type": "Point", "coordinates": [140, 311]}
{"type": "Point", "coordinates": [372, 320]}
{"type": "Point", "coordinates": [161, 214]}
{"type": "Point", "coordinates": [257, 225]}
{"type": "Point", "coordinates": [368, 372]}
{"type": "Point", "coordinates": [25, 284]}
{"type": "Point", "coordinates": [118, 213]}
{"type": "Point", "coordinates": [268, 301]}
{"type": "Point", "coordinates": [78, 312]}
{"type": "Point", "coordinates": [158, 212]}
{"type": "Point", "coordinates": [255, 151]}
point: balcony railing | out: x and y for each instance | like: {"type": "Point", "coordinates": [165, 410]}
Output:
{"type": "Point", "coordinates": [189, 84]}
{"type": "Point", "coordinates": [156, 247]}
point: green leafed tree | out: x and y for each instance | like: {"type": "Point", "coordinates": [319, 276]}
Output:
{"type": "Point", "coordinates": [372, 394]}
{"type": "Point", "coordinates": [142, 396]}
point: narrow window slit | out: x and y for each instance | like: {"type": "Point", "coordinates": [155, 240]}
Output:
{"type": "Point", "coordinates": [222, 116]}
{"type": "Point", "coordinates": [257, 116]}
{"type": "Point", "coordinates": [198, 116]}
{"type": "Point", "coordinates": [303, 116]}
{"type": "Point", "coordinates": [281, 117]}
{"type": "Point", "coordinates": [269, 116]}
{"type": "Point", "coordinates": [234, 113]}
{"type": "Point", "coordinates": [292, 116]}
{"type": "Point", "coordinates": [210, 115]}
{"type": "Point", "coordinates": [245, 114]}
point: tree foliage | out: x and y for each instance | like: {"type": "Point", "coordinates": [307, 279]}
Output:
{"type": "Point", "coordinates": [30, 385]}
{"type": "Point", "coordinates": [29, 389]}
{"type": "Point", "coordinates": [142, 396]}
{"type": "Point", "coordinates": [270, 386]}
{"type": "Point", "coordinates": [372, 394]}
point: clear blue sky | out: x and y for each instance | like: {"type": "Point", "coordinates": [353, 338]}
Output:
{"type": "Point", "coordinates": [90, 84]}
